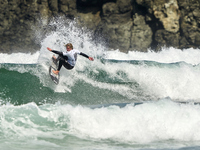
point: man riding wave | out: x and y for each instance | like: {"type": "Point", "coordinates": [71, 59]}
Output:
{"type": "Point", "coordinates": [67, 59]}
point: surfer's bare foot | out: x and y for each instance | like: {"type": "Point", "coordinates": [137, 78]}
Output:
{"type": "Point", "coordinates": [55, 71]}
{"type": "Point", "coordinates": [54, 57]}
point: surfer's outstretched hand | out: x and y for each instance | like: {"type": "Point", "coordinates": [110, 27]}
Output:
{"type": "Point", "coordinates": [49, 49]}
{"type": "Point", "coordinates": [90, 58]}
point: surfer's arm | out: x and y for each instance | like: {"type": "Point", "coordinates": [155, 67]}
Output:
{"type": "Point", "coordinates": [86, 56]}
{"type": "Point", "coordinates": [54, 51]}
{"type": "Point", "coordinates": [57, 52]}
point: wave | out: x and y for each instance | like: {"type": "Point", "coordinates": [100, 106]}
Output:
{"type": "Point", "coordinates": [103, 84]}
{"type": "Point", "coordinates": [113, 76]}
{"type": "Point", "coordinates": [145, 123]}
{"type": "Point", "coordinates": [134, 100]}
{"type": "Point", "coordinates": [166, 55]}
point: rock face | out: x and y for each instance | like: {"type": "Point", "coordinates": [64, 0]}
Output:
{"type": "Point", "coordinates": [190, 23]}
{"type": "Point", "coordinates": [124, 24]}
{"type": "Point", "coordinates": [140, 32]}
{"type": "Point", "coordinates": [167, 11]}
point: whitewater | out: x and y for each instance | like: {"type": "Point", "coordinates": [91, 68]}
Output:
{"type": "Point", "coordinates": [120, 101]}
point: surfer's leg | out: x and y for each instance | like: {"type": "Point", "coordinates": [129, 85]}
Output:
{"type": "Point", "coordinates": [61, 62]}
{"type": "Point", "coordinates": [64, 63]}
{"type": "Point", "coordinates": [54, 57]}
{"type": "Point", "coordinates": [67, 65]}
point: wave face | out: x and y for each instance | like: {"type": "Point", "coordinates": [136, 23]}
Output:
{"type": "Point", "coordinates": [120, 101]}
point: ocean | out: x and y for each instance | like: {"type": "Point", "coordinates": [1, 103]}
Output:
{"type": "Point", "coordinates": [120, 101]}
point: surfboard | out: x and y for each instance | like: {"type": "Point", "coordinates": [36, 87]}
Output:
{"type": "Point", "coordinates": [54, 77]}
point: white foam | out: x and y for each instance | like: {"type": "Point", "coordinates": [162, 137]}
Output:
{"type": "Point", "coordinates": [178, 83]}
{"type": "Point", "coordinates": [166, 55]}
{"type": "Point", "coordinates": [149, 122]}
{"type": "Point", "coordinates": [19, 58]}
{"type": "Point", "coordinates": [68, 33]}
{"type": "Point", "coordinates": [163, 120]}
{"type": "Point", "coordinates": [144, 123]}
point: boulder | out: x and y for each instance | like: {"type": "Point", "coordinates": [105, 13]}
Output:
{"type": "Point", "coordinates": [53, 5]}
{"type": "Point", "coordinates": [166, 38]}
{"type": "Point", "coordinates": [166, 11]}
{"type": "Point", "coordinates": [190, 22]}
{"type": "Point", "coordinates": [141, 34]}
{"type": "Point", "coordinates": [116, 25]}
{"type": "Point", "coordinates": [89, 20]}
{"type": "Point", "coordinates": [124, 6]}
{"type": "Point", "coordinates": [118, 36]}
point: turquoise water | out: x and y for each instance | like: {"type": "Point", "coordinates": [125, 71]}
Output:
{"type": "Point", "coordinates": [119, 101]}
{"type": "Point", "coordinates": [35, 113]}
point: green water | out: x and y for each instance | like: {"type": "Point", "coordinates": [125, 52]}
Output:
{"type": "Point", "coordinates": [97, 109]}
{"type": "Point", "coordinates": [21, 88]}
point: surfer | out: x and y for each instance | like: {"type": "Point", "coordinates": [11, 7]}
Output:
{"type": "Point", "coordinates": [67, 59]}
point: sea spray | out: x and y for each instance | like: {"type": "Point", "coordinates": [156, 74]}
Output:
{"type": "Point", "coordinates": [85, 110]}
{"type": "Point", "coordinates": [171, 72]}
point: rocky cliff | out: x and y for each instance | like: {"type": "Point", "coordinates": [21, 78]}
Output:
{"type": "Point", "coordinates": [124, 24]}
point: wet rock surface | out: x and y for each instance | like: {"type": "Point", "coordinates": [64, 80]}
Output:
{"type": "Point", "coordinates": [124, 25]}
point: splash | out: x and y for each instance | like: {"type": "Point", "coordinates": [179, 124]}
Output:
{"type": "Point", "coordinates": [175, 73]}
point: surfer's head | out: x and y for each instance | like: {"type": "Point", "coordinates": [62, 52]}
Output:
{"type": "Point", "coordinates": [69, 46]}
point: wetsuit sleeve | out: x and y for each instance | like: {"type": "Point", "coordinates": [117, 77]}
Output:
{"type": "Point", "coordinates": [84, 55]}
{"type": "Point", "coordinates": [57, 52]}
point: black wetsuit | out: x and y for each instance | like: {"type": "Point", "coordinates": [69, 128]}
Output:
{"type": "Point", "coordinates": [68, 59]}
